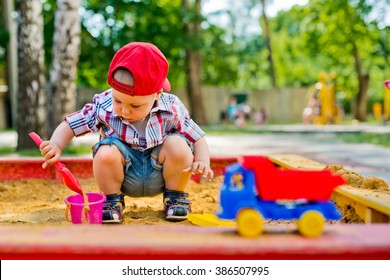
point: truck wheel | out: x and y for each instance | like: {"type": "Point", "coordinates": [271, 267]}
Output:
{"type": "Point", "coordinates": [249, 223]}
{"type": "Point", "coordinates": [311, 224]}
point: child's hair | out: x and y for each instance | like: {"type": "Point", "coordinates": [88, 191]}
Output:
{"type": "Point", "coordinates": [124, 76]}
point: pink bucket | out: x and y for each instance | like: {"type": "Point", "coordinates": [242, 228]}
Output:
{"type": "Point", "coordinates": [77, 213]}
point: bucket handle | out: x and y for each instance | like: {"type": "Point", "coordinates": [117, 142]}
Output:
{"type": "Point", "coordinates": [67, 209]}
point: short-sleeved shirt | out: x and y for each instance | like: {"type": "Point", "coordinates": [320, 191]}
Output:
{"type": "Point", "coordinates": [168, 116]}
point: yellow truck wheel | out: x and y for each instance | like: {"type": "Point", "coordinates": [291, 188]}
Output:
{"type": "Point", "coordinates": [249, 223]}
{"type": "Point", "coordinates": [311, 224]}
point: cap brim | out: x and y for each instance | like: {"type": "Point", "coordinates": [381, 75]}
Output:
{"type": "Point", "coordinates": [167, 85]}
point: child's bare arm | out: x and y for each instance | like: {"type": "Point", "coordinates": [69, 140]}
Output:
{"type": "Point", "coordinates": [52, 150]}
{"type": "Point", "coordinates": [201, 164]}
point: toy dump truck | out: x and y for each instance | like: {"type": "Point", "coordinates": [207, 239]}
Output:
{"type": "Point", "coordinates": [254, 190]}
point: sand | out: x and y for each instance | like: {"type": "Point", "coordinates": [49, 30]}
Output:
{"type": "Point", "coordinates": [358, 181]}
{"type": "Point", "coordinates": [38, 201]}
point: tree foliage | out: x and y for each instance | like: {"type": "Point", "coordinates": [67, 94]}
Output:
{"type": "Point", "coordinates": [320, 36]}
{"type": "Point", "coordinates": [324, 35]}
{"type": "Point", "coordinates": [4, 38]}
{"type": "Point", "coordinates": [109, 25]}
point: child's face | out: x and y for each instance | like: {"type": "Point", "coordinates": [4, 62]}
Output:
{"type": "Point", "coordinates": [133, 108]}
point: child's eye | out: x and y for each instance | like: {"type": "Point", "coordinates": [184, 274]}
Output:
{"type": "Point", "coordinates": [135, 106]}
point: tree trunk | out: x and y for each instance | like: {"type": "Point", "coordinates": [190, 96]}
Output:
{"type": "Point", "coordinates": [267, 37]}
{"type": "Point", "coordinates": [194, 65]}
{"type": "Point", "coordinates": [11, 99]}
{"type": "Point", "coordinates": [32, 95]}
{"type": "Point", "coordinates": [360, 110]}
{"type": "Point", "coordinates": [62, 88]}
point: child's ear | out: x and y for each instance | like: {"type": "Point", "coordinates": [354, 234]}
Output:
{"type": "Point", "coordinates": [159, 94]}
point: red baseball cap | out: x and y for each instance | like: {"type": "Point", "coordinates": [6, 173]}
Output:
{"type": "Point", "coordinates": [148, 66]}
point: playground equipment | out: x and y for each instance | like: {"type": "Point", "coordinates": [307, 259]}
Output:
{"type": "Point", "coordinates": [386, 100]}
{"type": "Point", "coordinates": [322, 107]}
{"type": "Point", "coordinates": [255, 190]}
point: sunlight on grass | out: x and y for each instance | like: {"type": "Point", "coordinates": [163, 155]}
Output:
{"type": "Point", "coordinates": [369, 138]}
{"type": "Point", "coordinates": [70, 150]}
{"type": "Point", "coordinates": [6, 150]}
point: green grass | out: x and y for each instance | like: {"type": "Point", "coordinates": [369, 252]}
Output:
{"type": "Point", "coordinates": [77, 150]}
{"type": "Point", "coordinates": [70, 150]}
{"type": "Point", "coordinates": [6, 150]}
{"type": "Point", "coordinates": [369, 138]}
{"type": "Point", "coordinates": [232, 129]}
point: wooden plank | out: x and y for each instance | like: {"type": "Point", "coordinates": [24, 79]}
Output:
{"type": "Point", "coordinates": [371, 198]}
{"type": "Point", "coordinates": [351, 208]}
{"type": "Point", "coordinates": [339, 241]}
{"type": "Point", "coordinates": [292, 161]}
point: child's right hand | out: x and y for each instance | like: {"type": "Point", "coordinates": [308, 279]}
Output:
{"type": "Point", "coordinates": [51, 153]}
{"type": "Point", "coordinates": [200, 167]}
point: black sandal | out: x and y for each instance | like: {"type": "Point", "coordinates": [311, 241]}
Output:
{"type": "Point", "coordinates": [112, 212]}
{"type": "Point", "coordinates": [176, 205]}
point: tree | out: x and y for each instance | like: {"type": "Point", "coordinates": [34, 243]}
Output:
{"type": "Point", "coordinates": [62, 87]}
{"type": "Point", "coordinates": [194, 83]}
{"type": "Point", "coordinates": [174, 26]}
{"type": "Point", "coordinates": [4, 38]}
{"type": "Point", "coordinates": [32, 95]}
{"type": "Point", "coordinates": [109, 25]}
{"type": "Point", "coordinates": [236, 55]}
{"type": "Point", "coordinates": [267, 38]}
{"type": "Point", "coordinates": [8, 50]}
{"type": "Point", "coordinates": [342, 32]}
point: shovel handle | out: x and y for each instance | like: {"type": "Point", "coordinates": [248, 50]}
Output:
{"type": "Point", "coordinates": [35, 137]}
{"type": "Point", "coordinates": [38, 140]}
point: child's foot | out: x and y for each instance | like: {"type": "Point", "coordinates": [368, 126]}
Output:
{"type": "Point", "coordinates": [176, 205]}
{"type": "Point", "coordinates": [112, 210]}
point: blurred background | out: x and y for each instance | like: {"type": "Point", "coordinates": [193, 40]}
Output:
{"type": "Point", "coordinates": [239, 63]}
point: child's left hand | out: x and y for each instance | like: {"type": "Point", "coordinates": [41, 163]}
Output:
{"type": "Point", "coordinates": [200, 167]}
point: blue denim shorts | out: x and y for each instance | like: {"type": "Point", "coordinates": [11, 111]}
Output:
{"type": "Point", "coordinates": [143, 174]}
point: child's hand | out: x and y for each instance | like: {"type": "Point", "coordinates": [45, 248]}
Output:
{"type": "Point", "coordinates": [51, 153]}
{"type": "Point", "coordinates": [200, 167]}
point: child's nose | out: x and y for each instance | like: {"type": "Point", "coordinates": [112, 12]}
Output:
{"type": "Point", "coordinates": [126, 110]}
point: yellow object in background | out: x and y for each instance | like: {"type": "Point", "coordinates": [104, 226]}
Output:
{"type": "Point", "coordinates": [386, 100]}
{"type": "Point", "coordinates": [327, 98]}
{"type": "Point", "coordinates": [322, 101]}
{"type": "Point", "coordinates": [377, 110]}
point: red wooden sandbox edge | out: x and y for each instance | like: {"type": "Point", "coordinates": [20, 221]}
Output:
{"type": "Point", "coordinates": [188, 242]}
{"type": "Point", "coordinates": [31, 168]}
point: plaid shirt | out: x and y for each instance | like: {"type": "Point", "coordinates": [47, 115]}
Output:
{"type": "Point", "coordinates": [168, 116]}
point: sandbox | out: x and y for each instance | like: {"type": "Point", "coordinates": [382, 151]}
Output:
{"type": "Point", "coordinates": [33, 225]}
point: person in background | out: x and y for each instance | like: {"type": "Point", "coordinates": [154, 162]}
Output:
{"type": "Point", "coordinates": [232, 109]}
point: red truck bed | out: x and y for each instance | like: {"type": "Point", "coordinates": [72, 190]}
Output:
{"type": "Point", "coordinates": [273, 183]}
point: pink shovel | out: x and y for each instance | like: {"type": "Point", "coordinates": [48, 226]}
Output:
{"type": "Point", "coordinates": [69, 180]}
